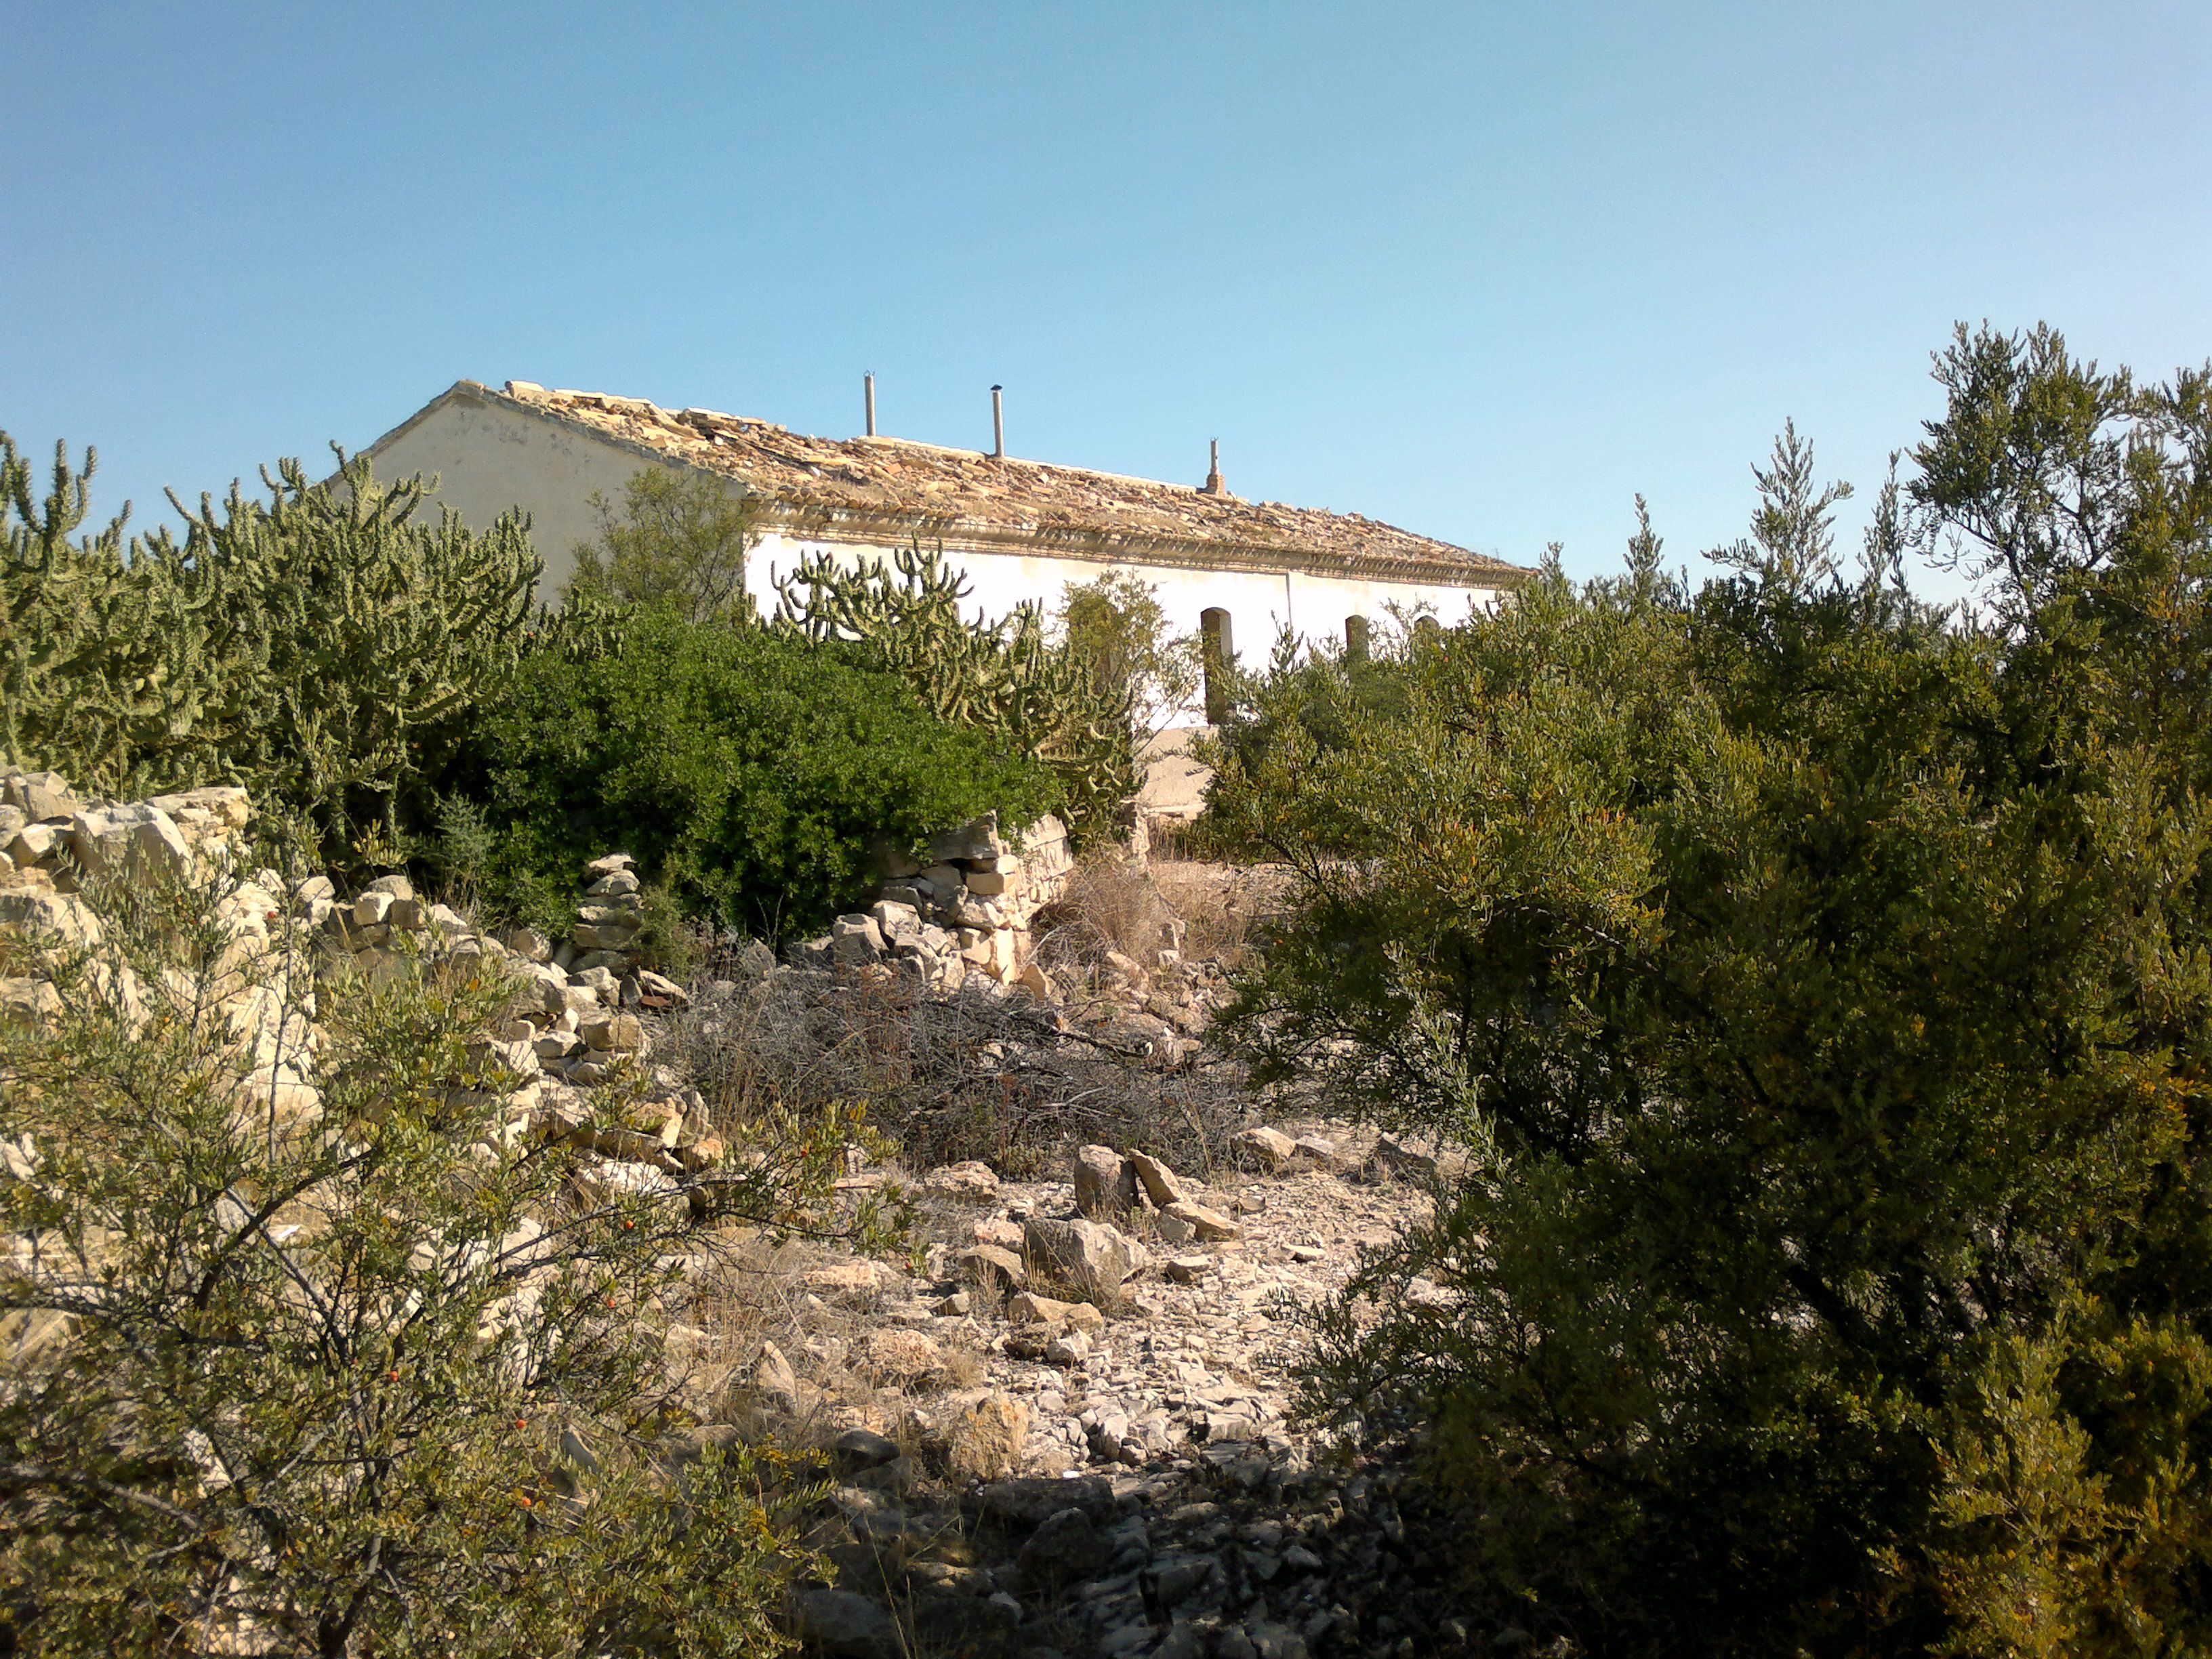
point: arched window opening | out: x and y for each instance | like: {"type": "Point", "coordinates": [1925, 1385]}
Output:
{"type": "Point", "coordinates": [1218, 654]}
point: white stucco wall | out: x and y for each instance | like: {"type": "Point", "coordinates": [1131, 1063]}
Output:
{"type": "Point", "coordinates": [490, 456]}
{"type": "Point", "coordinates": [1259, 604]}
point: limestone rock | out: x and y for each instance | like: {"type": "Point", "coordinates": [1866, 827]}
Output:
{"type": "Point", "coordinates": [1093, 1257]}
{"type": "Point", "coordinates": [30, 1001]}
{"type": "Point", "coordinates": [1065, 1548]}
{"type": "Point", "coordinates": [984, 1439]}
{"type": "Point", "coordinates": [854, 940]}
{"type": "Point", "coordinates": [1000, 1230]}
{"type": "Point", "coordinates": [972, 1182]}
{"type": "Point", "coordinates": [848, 1278]}
{"type": "Point", "coordinates": [1030, 1308]}
{"type": "Point", "coordinates": [31, 911]}
{"type": "Point", "coordinates": [1159, 1181]}
{"type": "Point", "coordinates": [528, 943]}
{"type": "Point", "coordinates": [1105, 1185]}
{"type": "Point", "coordinates": [842, 1625]}
{"type": "Point", "coordinates": [905, 1356]}
{"type": "Point", "coordinates": [772, 1375]}
{"type": "Point", "coordinates": [753, 960]}
{"type": "Point", "coordinates": [613, 1033]}
{"type": "Point", "coordinates": [43, 797]}
{"type": "Point", "coordinates": [1029, 1504]}
{"type": "Point", "coordinates": [1271, 1146]}
{"type": "Point", "coordinates": [667, 990]}
{"type": "Point", "coordinates": [977, 838]}
{"type": "Point", "coordinates": [1069, 1348]}
{"type": "Point", "coordinates": [864, 1448]}
{"type": "Point", "coordinates": [1208, 1227]}
{"type": "Point", "coordinates": [993, 1268]}
{"type": "Point", "coordinates": [1406, 1158]}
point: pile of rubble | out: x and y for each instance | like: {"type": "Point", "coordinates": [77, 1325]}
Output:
{"type": "Point", "coordinates": [966, 912]}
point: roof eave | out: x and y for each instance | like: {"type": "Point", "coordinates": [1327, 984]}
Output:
{"type": "Point", "coordinates": [827, 522]}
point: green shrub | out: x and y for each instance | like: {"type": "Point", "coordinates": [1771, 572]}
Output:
{"type": "Point", "coordinates": [750, 772]}
{"type": "Point", "coordinates": [1822, 993]}
{"type": "Point", "coordinates": [1118, 629]}
{"type": "Point", "coordinates": [679, 544]}
{"type": "Point", "coordinates": [379, 1375]}
{"type": "Point", "coordinates": [1058, 705]}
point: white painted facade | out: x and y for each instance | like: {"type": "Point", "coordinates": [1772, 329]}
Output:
{"type": "Point", "coordinates": [1260, 603]}
{"type": "Point", "coordinates": [491, 456]}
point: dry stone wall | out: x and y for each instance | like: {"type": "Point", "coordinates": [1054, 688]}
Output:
{"type": "Point", "coordinates": [964, 914]}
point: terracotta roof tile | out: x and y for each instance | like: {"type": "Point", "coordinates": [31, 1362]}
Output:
{"type": "Point", "coordinates": [873, 487]}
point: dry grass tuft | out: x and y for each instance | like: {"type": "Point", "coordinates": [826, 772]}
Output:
{"type": "Point", "coordinates": [973, 1075]}
{"type": "Point", "coordinates": [1206, 911]}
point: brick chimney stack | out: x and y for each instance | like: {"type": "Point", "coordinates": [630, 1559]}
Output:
{"type": "Point", "coordinates": [1213, 486]}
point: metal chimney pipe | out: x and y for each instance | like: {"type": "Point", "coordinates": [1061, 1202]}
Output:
{"type": "Point", "coordinates": [869, 382]}
{"type": "Point", "coordinates": [999, 422]}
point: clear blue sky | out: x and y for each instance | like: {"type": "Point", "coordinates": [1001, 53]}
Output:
{"type": "Point", "coordinates": [1483, 270]}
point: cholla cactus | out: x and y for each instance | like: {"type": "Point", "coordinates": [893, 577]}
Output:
{"type": "Point", "coordinates": [1005, 677]}
{"type": "Point", "coordinates": [319, 646]}
{"type": "Point", "coordinates": [108, 665]}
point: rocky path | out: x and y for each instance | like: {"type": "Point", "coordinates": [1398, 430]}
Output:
{"type": "Point", "coordinates": [1027, 1475]}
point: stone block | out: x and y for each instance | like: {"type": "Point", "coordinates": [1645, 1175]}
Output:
{"type": "Point", "coordinates": [856, 940]}
{"type": "Point", "coordinates": [44, 797]}
{"type": "Point", "coordinates": [993, 1268]}
{"type": "Point", "coordinates": [977, 839]}
{"type": "Point", "coordinates": [1105, 1185]}
{"type": "Point", "coordinates": [613, 1033]}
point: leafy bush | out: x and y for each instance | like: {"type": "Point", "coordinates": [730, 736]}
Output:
{"type": "Point", "coordinates": [750, 772]}
{"type": "Point", "coordinates": [1118, 627]}
{"type": "Point", "coordinates": [1822, 993]}
{"type": "Point", "coordinates": [1322, 692]}
{"type": "Point", "coordinates": [1046, 701]}
{"type": "Point", "coordinates": [679, 544]}
{"type": "Point", "coordinates": [371, 1372]}
{"type": "Point", "coordinates": [322, 648]}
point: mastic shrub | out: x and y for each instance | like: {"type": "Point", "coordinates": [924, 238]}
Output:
{"type": "Point", "coordinates": [1820, 987]}
{"type": "Point", "coordinates": [755, 773]}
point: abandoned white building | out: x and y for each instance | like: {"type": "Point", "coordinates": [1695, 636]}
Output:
{"type": "Point", "coordinates": [1234, 570]}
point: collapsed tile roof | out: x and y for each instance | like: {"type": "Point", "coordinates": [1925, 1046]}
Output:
{"type": "Point", "coordinates": [884, 489]}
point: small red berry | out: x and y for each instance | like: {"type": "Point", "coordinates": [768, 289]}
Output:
{"type": "Point", "coordinates": [521, 1422]}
